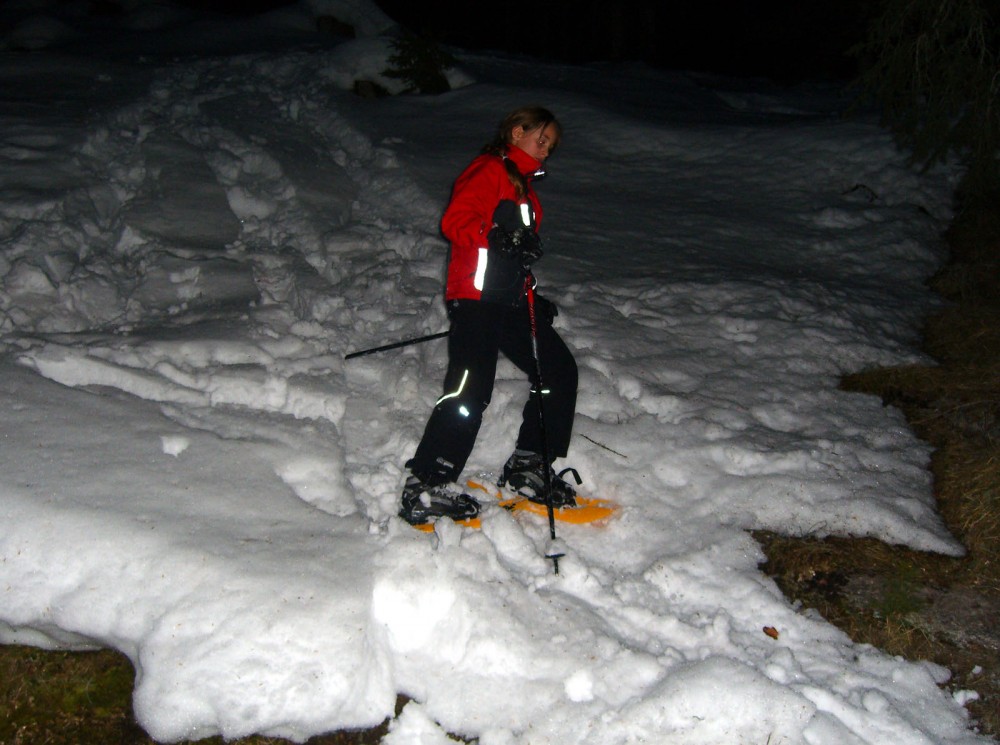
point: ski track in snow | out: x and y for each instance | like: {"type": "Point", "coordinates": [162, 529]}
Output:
{"type": "Point", "coordinates": [292, 171]}
{"type": "Point", "coordinates": [239, 225]}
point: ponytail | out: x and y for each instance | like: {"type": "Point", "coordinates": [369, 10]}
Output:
{"type": "Point", "coordinates": [516, 177]}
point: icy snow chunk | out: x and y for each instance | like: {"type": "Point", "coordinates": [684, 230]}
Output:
{"type": "Point", "coordinates": [320, 483]}
{"type": "Point", "coordinates": [247, 205]}
{"type": "Point", "coordinates": [175, 444]}
{"type": "Point", "coordinates": [580, 686]}
{"type": "Point", "coordinates": [963, 697]}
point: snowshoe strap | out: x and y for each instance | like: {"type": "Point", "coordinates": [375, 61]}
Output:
{"type": "Point", "coordinates": [576, 475]}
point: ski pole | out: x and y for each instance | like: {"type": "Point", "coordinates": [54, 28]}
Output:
{"type": "Point", "coordinates": [397, 345]}
{"type": "Point", "coordinates": [529, 289]}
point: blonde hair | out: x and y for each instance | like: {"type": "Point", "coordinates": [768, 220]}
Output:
{"type": "Point", "coordinates": [528, 118]}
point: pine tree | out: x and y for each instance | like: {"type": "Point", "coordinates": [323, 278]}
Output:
{"type": "Point", "coordinates": [420, 62]}
{"type": "Point", "coordinates": [933, 66]}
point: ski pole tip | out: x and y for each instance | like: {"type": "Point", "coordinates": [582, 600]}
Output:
{"type": "Point", "coordinates": [555, 561]}
{"type": "Point", "coordinates": [556, 550]}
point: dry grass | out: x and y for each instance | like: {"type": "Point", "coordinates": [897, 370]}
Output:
{"type": "Point", "coordinates": [903, 601]}
{"type": "Point", "coordinates": [59, 697]}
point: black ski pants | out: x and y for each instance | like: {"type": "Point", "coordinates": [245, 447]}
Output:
{"type": "Point", "coordinates": [480, 331]}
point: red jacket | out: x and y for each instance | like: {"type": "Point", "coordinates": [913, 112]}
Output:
{"type": "Point", "coordinates": [469, 216]}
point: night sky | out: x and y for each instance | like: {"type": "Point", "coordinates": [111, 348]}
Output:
{"type": "Point", "coordinates": [786, 40]}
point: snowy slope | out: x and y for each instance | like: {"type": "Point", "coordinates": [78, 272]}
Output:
{"type": "Point", "coordinates": [193, 474]}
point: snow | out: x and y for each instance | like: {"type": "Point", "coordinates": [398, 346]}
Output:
{"type": "Point", "coordinates": [198, 224]}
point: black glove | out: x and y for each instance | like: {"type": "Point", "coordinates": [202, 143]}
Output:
{"type": "Point", "coordinates": [510, 215]}
{"type": "Point", "coordinates": [522, 243]}
{"type": "Point", "coordinates": [513, 234]}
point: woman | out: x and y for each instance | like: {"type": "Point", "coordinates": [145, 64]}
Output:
{"type": "Point", "coordinates": [492, 222]}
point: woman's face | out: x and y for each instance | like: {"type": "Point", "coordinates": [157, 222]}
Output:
{"type": "Point", "coordinates": [537, 143]}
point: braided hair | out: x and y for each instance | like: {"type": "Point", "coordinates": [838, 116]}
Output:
{"type": "Point", "coordinates": [529, 118]}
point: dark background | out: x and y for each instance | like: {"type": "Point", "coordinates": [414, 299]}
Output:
{"type": "Point", "coordinates": [786, 40]}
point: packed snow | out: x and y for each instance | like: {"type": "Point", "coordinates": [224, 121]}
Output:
{"type": "Point", "coordinates": [200, 220]}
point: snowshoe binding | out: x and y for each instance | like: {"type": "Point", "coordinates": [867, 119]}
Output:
{"type": "Point", "coordinates": [423, 501]}
{"type": "Point", "coordinates": [525, 473]}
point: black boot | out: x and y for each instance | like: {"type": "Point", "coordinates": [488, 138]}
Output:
{"type": "Point", "coordinates": [423, 501]}
{"type": "Point", "coordinates": [524, 472]}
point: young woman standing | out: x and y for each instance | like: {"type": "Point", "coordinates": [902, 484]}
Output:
{"type": "Point", "coordinates": [492, 224]}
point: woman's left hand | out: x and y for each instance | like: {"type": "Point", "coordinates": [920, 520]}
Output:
{"type": "Point", "coordinates": [522, 243]}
